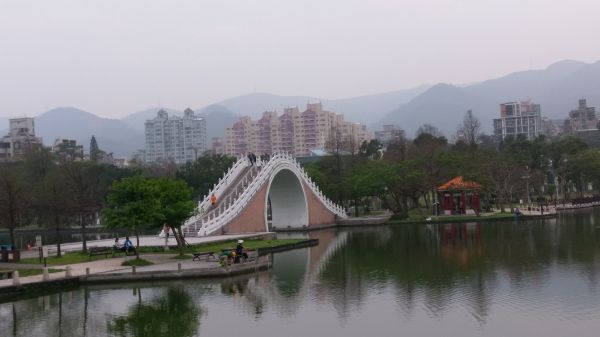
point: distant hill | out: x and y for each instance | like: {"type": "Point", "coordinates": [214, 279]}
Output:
{"type": "Point", "coordinates": [557, 88]}
{"type": "Point", "coordinates": [363, 109]}
{"type": "Point", "coordinates": [113, 135]}
{"type": "Point", "coordinates": [218, 118]}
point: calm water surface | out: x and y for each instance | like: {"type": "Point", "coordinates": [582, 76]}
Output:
{"type": "Point", "coordinates": [496, 279]}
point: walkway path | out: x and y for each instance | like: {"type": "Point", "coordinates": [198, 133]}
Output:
{"type": "Point", "coordinates": [145, 241]}
{"type": "Point", "coordinates": [162, 262]}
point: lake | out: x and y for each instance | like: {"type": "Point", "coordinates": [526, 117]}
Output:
{"type": "Point", "coordinates": [535, 278]}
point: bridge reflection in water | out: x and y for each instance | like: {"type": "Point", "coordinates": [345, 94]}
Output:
{"type": "Point", "coordinates": [490, 279]}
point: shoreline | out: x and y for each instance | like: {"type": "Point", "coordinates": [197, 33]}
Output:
{"type": "Point", "coordinates": [475, 219]}
{"type": "Point", "coordinates": [171, 270]}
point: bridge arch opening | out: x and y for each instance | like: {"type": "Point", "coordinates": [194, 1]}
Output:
{"type": "Point", "coordinates": [287, 201]}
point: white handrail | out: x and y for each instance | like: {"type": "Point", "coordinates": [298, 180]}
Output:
{"type": "Point", "coordinates": [205, 224]}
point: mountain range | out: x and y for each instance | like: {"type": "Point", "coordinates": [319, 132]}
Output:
{"type": "Point", "coordinates": [557, 88]}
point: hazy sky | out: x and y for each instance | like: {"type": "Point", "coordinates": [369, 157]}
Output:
{"type": "Point", "coordinates": [117, 57]}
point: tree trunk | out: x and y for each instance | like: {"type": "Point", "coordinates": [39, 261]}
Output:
{"type": "Point", "coordinates": [137, 243]}
{"type": "Point", "coordinates": [82, 225]}
{"type": "Point", "coordinates": [180, 239]}
{"type": "Point", "coordinates": [13, 241]}
{"type": "Point", "coordinates": [57, 224]}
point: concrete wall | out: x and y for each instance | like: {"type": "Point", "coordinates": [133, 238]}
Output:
{"type": "Point", "coordinates": [318, 214]}
{"type": "Point", "coordinates": [251, 219]}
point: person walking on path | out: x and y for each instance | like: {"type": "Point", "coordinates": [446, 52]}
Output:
{"type": "Point", "coordinates": [250, 159]}
{"type": "Point", "coordinates": [213, 200]}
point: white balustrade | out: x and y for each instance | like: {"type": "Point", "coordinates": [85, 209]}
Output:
{"type": "Point", "coordinates": [247, 189]}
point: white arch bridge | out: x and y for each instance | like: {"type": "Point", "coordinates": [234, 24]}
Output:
{"type": "Point", "coordinates": [256, 198]}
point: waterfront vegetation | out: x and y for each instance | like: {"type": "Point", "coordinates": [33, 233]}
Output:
{"type": "Point", "coordinates": [82, 257]}
{"type": "Point", "coordinates": [48, 191]}
{"type": "Point", "coordinates": [405, 175]}
{"type": "Point", "coordinates": [423, 215]}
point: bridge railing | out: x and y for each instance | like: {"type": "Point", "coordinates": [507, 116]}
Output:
{"type": "Point", "coordinates": [223, 182]}
{"type": "Point", "coordinates": [209, 223]}
{"type": "Point", "coordinates": [213, 224]}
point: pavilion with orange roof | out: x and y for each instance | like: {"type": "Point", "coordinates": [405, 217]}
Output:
{"type": "Point", "coordinates": [459, 196]}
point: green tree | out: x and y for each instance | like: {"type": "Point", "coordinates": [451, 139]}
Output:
{"type": "Point", "coordinates": [94, 149]}
{"type": "Point", "coordinates": [50, 204]}
{"type": "Point", "coordinates": [203, 173]}
{"type": "Point", "coordinates": [14, 198]}
{"type": "Point", "coordinates": [173, 314]}
{"type": "Point", "coordinates": [176, 206]}
{"type": "Point", "coordinates": [134, 203]}
{"type": "Point", "coordinates": [583, 167]}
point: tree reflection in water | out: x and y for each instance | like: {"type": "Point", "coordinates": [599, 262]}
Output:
{"type": "Point", "coordinates": [174, 314]}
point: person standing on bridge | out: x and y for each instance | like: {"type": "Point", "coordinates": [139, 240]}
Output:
{"type": "Point", "coordinates": [250, 159]}
{"type": "Point", "coordinates": [213, 200]}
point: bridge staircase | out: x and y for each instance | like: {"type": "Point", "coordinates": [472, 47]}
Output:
{"type": "Point", "coordinates": [233, 187]}
{"type": "Point", "coordinates": [237, 189]}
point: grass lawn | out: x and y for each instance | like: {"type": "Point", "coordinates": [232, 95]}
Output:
{"type": "Point", "coordinates": [248, 244]}
{"type": "Point", "coordinates": [216, 247]}
{"type": "Point", "coordinates": [68, 258]}
{"type": "Point", "coordinates": [80, 257]}
{"type": "Point", "coordinates": [137, 262]}
{"type": "Point", "coordinates": [416, 216]}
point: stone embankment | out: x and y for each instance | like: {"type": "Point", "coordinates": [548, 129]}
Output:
{"type": "Point", "coordinates": [164, 266]}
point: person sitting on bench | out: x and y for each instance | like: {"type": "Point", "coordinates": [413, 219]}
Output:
{"type": "Point", "coordinates": [128, 246]}
{"type": "Point", "coordinates": [239, 252]}
{"type": "Point", "coordinates": [117, 245]}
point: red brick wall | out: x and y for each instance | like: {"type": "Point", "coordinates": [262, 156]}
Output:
{"type": "Point", "coordinates": [318, 214]}
{"type": "Point", "coordinates": [251, 219]}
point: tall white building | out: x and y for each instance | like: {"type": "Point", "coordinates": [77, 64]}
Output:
{"type": "Point", "coordinates": [519, 118]}
{"type": "Point", "coordinates": [180, 139]}
{"type": "Point", "coordinates": [20, 140]}
{"type": "Point", "coordinates": [389, 134]}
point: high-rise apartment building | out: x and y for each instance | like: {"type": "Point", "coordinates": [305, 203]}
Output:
{"type": "Point", "coordinates": [518, 118]}
{"type": "Point", "coordinates": [584, 118]}
{"type": "Point", "coordinates": [179, 139]}
{"type": "Point", "coordinates": [296, 132]}
{"type": "Point", "coordinates": [389, 134]}
{"type": "Point", "coordinates": [20, 140]}
{"type": "Point", "coordinates": [68, 149]}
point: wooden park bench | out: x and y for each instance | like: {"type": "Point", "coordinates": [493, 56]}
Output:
{"type": "Point", "coordinates": [101, 251]}
{"type": "Point", "coordinates": [6, 274]}
{"type": "Point", "coordinates": [208, 255]}
{"type": "Point", "coordinates": [108, 250]}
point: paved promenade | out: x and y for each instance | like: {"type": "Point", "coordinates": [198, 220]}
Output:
{"type": "Point", "coordinates": [145, 241]}
{"type": "Point", "coordinates": [104, 266]}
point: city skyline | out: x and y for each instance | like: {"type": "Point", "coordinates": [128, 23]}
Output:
{"type": "Point", "coordinates": [114, 58]}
